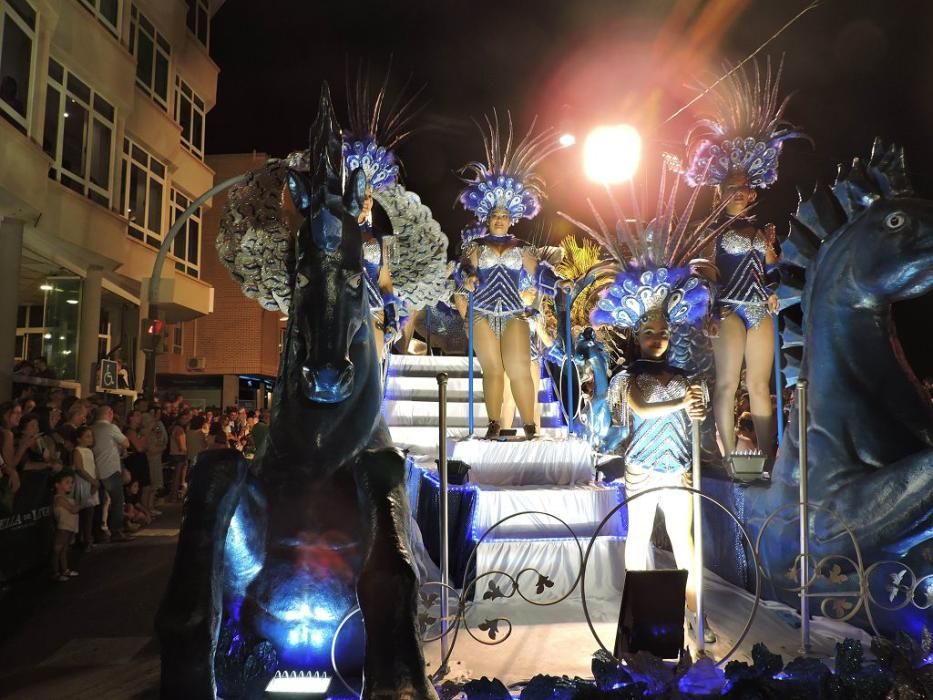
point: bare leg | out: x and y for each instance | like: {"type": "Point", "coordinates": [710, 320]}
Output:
{"type": "Point", "coordinates": [516, 357]}
{"type": "Point", "coordinates": [379, 335]}
{"type": "Point", "coordinates": [536, 382]}
{"type": "Point", "coordinates": [487, 350]}
{"type": "Point", "coordinates": [728, 351]}
{"type": "Point", "coordinates": [508, 405]}
{"type": "Point", "coordinates": [678, 521]}
{"type": "Point", "coordinates": [759, 363]}
{"type": "Point", "coordinates": [641, 515]}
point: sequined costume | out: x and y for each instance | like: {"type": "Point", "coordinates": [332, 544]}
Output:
{"type": "Point", "coordinates": [660, 444]}
{"type": "Point", "coordinates": [744, 285]}
{"type": "Point", "coordinates": [372, 265]}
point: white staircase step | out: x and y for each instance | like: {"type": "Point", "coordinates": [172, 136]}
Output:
{"type": "Point", "coordinates": [421, 440]}
{"type": "Point", "coordinates": [426, 413]}
{"type": "Point", "coordinates": [581, 507]}
{"type": "Point", "coordinates": [559, 560]}
{"type": "Point", "coordinates": [424, 388]}
{"type": "Point", "coordinates": [431, 365]}
{"type": "Point", "coordinates": [553, 462]}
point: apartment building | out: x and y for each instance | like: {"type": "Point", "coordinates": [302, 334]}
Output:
{"type": "Point", "coordinates": [230, 357]}
{"type": "Point", "coordinates": [103, 107]}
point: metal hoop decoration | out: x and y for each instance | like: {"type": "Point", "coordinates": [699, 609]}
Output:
{"type": "Point", "coordinates": [470, 585]}
{"type": "Point", "coordinates": [333, 651]}
{"type": "Point", "coordinates": [864, 593]}
{"type": "Point", "coordinates": [695, 492]}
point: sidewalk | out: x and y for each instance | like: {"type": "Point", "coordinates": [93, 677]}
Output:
{"type": "Point", "coordinates": [92, 636]}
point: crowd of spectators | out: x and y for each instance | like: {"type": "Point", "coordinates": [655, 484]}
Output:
{"type": "Point", "coordinates": [111, 467]}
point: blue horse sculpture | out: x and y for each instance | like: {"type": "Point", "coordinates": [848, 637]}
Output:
{"type": "Point", "coordinates": [854, 252]}
{"type": "Point", "coordinates": [283, 549]}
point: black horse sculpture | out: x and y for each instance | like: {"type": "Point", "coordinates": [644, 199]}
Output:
{"type": "Point", "coordinates": [284, 548]}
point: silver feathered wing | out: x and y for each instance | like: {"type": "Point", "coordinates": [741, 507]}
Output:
{"type": "Point", "coordinates": [256, 244]}
{"type": "Point", "coordinates": [418, 249]}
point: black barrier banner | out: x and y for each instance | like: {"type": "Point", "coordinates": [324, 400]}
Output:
{"type": "Point", "coordinates": [26, 533]}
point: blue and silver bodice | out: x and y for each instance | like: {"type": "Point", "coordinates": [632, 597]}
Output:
{"type": "Point", "coordinates": [372, 266]}
{"type": "Point", "coordinates": [742, 270]}
{"type": "Point", "coordinates": [500, 278]}
{"type": "Point", "coordinates": [659, 444]}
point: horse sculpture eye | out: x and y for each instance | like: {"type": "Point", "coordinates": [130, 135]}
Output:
{"type": "Point", "coordinates": [895, 221]}
{"type": "Point", "coordinates": [302, 280]}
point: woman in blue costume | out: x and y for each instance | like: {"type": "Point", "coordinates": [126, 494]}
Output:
{"type": "Point", "coordinates": [656, 403]}
{"type": "Point", "coordinates": [368, 146]}
{"type": "Point", "coordinates": [737, 151]}
{"type": "Point", "coordinates": [657, 295]}
{"type": "Point", "coordinates": [503, 191]}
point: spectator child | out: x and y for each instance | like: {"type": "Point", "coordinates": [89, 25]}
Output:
{"type": "Point", "coordinates": [66, 525]}
{"type": "Point", "coordinates": [87, 487]}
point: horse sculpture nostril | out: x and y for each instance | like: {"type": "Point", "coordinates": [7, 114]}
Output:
{"type": "Point", "coordinates": [329, 383]}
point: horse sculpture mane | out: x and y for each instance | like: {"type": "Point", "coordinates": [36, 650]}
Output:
{"type": "Point", "coordinates": [853, 252]}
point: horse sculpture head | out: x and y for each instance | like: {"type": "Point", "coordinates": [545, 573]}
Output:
{"type": "Point", "coordinates": [328, 296]}
{"type": "Point", "coordinates": [889, 236]}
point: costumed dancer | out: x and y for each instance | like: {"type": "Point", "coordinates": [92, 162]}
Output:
{"type": "Point", "coordinates": [736, 150]}
{"type": "Point", "coordinates": [368, 146]}
{"type": "Point", "coordinates": [503, 191]}
{"type": "Point", "coordinates": [655, 295]}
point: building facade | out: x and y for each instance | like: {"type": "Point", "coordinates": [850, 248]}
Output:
{"type": "Point", "coordinates": [103, 107]}
{"type": "Point", "coordinates": [230, 357]}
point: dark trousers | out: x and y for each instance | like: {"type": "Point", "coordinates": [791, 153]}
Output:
{"type": "Point", "coordinates": [113, 484]}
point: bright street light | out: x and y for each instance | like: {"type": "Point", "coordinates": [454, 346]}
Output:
{"type": "Point", "coordinates": [611, 154]}
{"type": "Point", "coordinates": [567, 140]}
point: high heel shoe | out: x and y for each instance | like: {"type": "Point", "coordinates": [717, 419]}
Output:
{"type": "Point", "coordinates": [492, 431]}
{"type": "Point", "coordinates": [709, 636]}
{"type": "Point", "coordinates": [530, 431]}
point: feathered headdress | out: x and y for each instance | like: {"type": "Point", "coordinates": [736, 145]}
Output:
{"type": "Point", "coordinates": [507, 179]}
{"type": "Point", "coordinates": [745, 133]}
{"type": "Point", "coordinates": [375, 131]}
{"type": "Point", "coordinates": [656, 271]}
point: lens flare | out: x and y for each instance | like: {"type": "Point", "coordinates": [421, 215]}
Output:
{"type": "Point", "coordinates": [611, 153]}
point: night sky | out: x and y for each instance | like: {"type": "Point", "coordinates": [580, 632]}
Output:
{"type": "Point", "coordinates": [857, 68]}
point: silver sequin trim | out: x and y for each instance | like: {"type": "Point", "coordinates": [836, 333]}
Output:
{"type": "Point", "coordinates": [735, 243]}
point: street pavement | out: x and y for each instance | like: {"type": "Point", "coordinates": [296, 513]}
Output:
{"type": "Point", "coordinates": [91, 637]}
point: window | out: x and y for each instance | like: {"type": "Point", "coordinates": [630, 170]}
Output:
{"type": "Point", "coordinates": [78, 134]}
{"type": "Point", "coordinates": [142, 194]}
{"type": "Point", "coordinates": [189, 113]}
{"type": "Point", "coordinates": [30, 331]}
{"type": "Point", "coordinates": [153, 54]}
{"type": "Point", "coordinates": [198, 20]}
{"type": "Point", "coordinates": [177, 337]}
{"type": "Point", "coordinates": [17, 39]}
{"type": "Point", "coordinates": [103, 334]}
{"type": "Point", "coordinates": [186, 249]}
{"type": "Point", "coordinates": [107, 11]}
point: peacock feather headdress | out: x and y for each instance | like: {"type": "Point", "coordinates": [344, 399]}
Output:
{"type": "Point", "coordinates": [656, 272]}
{"type": "Point", "coordinates": [745, 132]}
{"type": "Point", "coordinates": [507, 179]}
{"type": "Point", "coordinates": [376, 129]}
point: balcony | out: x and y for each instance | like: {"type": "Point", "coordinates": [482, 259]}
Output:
{"type": "Point", "coordinates": [24, 175]}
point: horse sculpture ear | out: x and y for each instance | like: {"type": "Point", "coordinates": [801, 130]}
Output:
{"type": "Point", "coordinates": [355, 192]}
{"type": "Point", "coordinates": [299, 187]}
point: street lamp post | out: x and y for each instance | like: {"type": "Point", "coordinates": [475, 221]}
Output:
{"type": "Point", "coordinates": [156, 277]}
